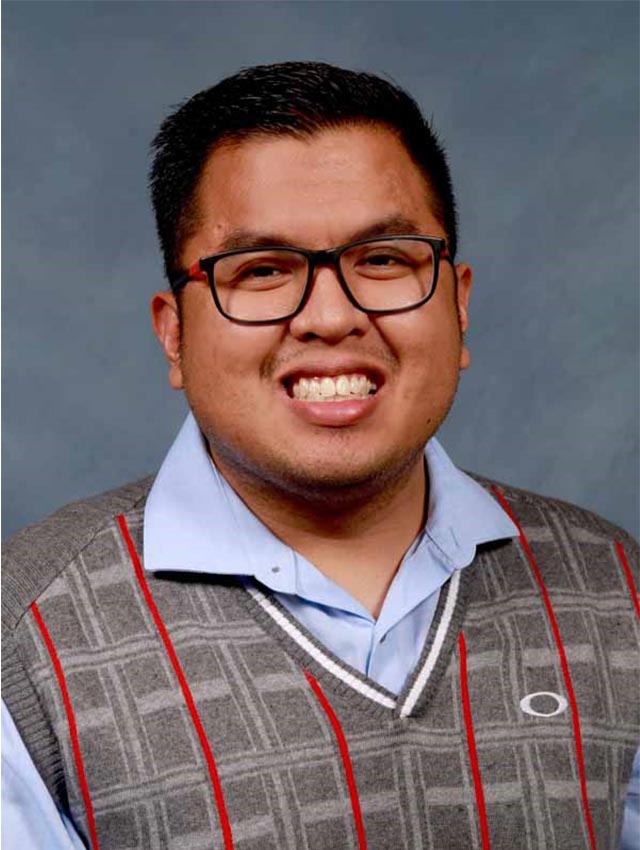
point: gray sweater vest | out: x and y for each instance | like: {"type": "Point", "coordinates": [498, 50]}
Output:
{"type": "Point", "coordinates": [182, 711]}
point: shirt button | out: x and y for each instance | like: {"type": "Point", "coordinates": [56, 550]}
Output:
{"type": "Point", "coordinates": [275, 569]}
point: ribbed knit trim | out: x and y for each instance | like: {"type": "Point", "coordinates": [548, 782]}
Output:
{"type": "Point", "coordinates": [443, 634]}
{"type": "Point", "coordinates": [313, 656]}
{"type": "Point", "coordinates": [345, 680]}
{"type": "Point", "coordinates": [71, 723]}
{"type": "Point", "coordinates": [443, 630]}
{"type": "Point", "coordinates": [32, 722]}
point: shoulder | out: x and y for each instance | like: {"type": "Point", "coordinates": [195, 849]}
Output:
{"type": "Point", "coordinates": [555, 529]}
{"type": "Point", "coordinates": [34, 557]}
{"type": "Point", "coordinates": [589, 566]}
{"type": "Point", "coordinates": [530, 509]}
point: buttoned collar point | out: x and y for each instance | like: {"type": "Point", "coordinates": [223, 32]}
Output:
{"type": "Point", "coordinates": [195, 522]}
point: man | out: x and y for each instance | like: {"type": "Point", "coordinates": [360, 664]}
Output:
{"type": "Point", "coordinates": [311, 630]}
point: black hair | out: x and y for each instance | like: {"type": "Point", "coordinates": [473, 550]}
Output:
{"type": "Point", "coordinates": [295, 99]}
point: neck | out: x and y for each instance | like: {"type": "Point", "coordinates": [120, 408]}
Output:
{"type": "Point", "coordinates": [356, 539]}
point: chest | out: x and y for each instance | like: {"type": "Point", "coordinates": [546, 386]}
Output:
{"type": "Point", "coordinates": [190, 714]}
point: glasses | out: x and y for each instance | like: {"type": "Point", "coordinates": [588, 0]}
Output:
{"type": "Point", "coordinates": [260, 286]}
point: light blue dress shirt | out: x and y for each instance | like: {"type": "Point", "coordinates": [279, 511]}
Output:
{"type": "Point", "coordinates": [195, 522]}
{"type": "Point", "coordinates": [30, 819]}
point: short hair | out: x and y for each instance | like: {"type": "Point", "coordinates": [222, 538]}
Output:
{"type": "Point", "coordinates": [288, 99]}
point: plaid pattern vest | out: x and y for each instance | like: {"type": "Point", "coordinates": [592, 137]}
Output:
{"type": "Point", "coordinates": [183, 711]}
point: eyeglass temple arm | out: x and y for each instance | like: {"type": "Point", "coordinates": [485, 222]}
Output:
{"type": "Point", "coordinates": [194, 272]}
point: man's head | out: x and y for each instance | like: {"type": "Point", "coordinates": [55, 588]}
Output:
{"type": "Point", "coordinates": [313, 189]}
{"type": "Point", "coordinates": [296, 99]}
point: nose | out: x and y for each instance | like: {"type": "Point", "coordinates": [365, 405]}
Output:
{"type": "Point", "coordinates": [327, 313]}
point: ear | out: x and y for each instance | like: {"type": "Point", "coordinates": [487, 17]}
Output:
{"type": "Point", "coordinates": [464, 274]}
{"type": "Point", "coordinates": [167, 327]}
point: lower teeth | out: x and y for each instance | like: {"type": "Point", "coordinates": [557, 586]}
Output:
{"type": "Point", "coordinates": [352, 397]}
{"type": "Point", "coordinates": [335, 398]}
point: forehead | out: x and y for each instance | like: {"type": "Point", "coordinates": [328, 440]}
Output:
{"type": "Point", "coordinates": [314, 191]}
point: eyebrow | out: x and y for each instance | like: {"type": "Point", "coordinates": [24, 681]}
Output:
{"type": "Point", "coordinates": [391, 225]}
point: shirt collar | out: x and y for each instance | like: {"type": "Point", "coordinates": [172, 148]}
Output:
{"type": "Point", "coordinates": [195, 522]}
{"type": "Point", "coordinates": [461, 514]}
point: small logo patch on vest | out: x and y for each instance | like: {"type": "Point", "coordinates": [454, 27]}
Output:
{"type": "Point", "coordinates": [547, 704]}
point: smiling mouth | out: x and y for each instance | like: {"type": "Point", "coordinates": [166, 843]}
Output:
{"type": "Point", "coordinates": [344, 387]}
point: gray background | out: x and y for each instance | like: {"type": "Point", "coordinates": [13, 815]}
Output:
{"type": "Point", "coordinates": [538, 104]}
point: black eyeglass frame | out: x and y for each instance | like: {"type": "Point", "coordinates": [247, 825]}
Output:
{"type": "Point", "coordinates": [204, 269]}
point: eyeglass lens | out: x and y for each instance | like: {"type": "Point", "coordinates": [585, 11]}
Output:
{"type": "Point", "coordinates": [267, 284]}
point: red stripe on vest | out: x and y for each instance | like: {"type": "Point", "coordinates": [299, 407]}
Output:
{"type": "Point", "coordinates": [71, 719]}
{"type": "Point", "coordinates": [186, 691]}
{"type": "Point", "coordinates": [471, 744]}
{"type": "Point", "coordinates": [346, 759]}
{"type": "Point", "coordinates": [575, 717]}
{"type": "Point", "coordinates": [628, 576]}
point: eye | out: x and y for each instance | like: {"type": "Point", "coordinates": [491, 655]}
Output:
{"type": "Point", "coordinates": [382, 263]}
{"type": "Point", "coordinates": [257, 270]}
{"type": "Point", "coordinates": [385, 259]}
{"type": "Point", "coordinates": [262, 276]}
{"type": "Point", "coordinates": [263, 270]}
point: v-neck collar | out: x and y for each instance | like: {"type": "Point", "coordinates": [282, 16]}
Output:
{"type": "Point", "coordinates": [347, 681]}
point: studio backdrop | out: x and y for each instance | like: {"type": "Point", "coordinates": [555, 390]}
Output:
{"type": "Point", "coordinates": [537, 104]}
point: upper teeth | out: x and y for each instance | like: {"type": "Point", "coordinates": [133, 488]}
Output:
{"type": "Point", "coordinates": [326, 389]}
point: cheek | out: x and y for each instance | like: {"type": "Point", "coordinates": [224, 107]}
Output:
{"type": "Point", "coordinates": [432, 380]}
{"type": "Point", "coordinates": [223, 361]}
{"type": "Point", "coordinates": [428, 346]}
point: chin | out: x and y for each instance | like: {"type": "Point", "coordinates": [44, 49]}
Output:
{"type": "Point", "coordinates": [339, 470]}
{"type": "Point", "coordinates": [339, 483]}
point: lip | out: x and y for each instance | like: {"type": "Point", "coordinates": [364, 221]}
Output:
{"type": "Point", "coordinates": [333, 414]}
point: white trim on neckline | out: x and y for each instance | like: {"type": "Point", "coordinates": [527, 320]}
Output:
{"type": "Point", "coordinates": [316, 653]}
{"type": "Point", "coordinates": [434, 653]}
